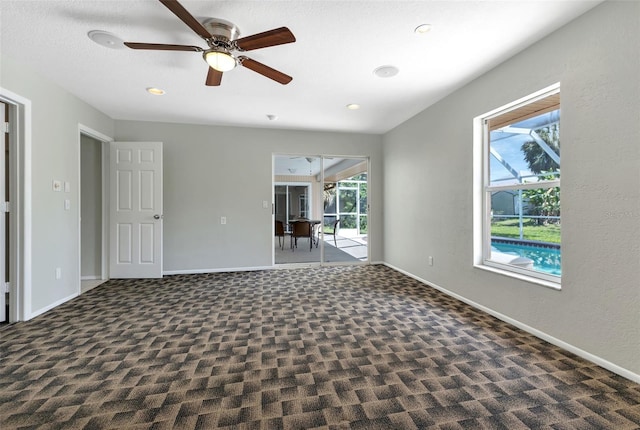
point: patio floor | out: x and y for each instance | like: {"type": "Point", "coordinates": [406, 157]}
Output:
{"type": "Point", "coordinates": [348, 250]}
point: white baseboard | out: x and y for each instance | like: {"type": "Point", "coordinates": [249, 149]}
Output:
{"type": "Point", "coordinates": [51, 306]}
{"type": "Point", "coordinates": [540, 334]}
{"type": "Point", "coordinates": [230, 269]}
{"type": "Point", "coordinates": [251, 269]}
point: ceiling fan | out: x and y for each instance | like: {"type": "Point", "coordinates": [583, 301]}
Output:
{"type": "Point", "coordinates": [222, 38]}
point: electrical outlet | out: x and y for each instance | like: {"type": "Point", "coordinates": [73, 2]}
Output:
{"type": "Point", "coordinates": [58, 273]}
{"type": "Point", "coordinates": [223, 220]}
{"type": "Point", "coordinates": [430, 261]}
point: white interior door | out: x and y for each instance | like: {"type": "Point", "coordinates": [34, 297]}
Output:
{"type": "Point", "coordinates": [135, 210]}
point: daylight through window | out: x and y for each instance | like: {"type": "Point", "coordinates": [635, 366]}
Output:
{"type": "Point", "coordinates": [521, 192]}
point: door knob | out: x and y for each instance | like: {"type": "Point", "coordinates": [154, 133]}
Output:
{"type": "Point", "coordinates": [156, 216]}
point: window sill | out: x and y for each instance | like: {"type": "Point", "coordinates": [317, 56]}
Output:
{"type": "Point", "coordinates": [519, 276]}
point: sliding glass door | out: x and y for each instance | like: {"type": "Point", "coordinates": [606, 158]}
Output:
{"type": "Point", "coordinates": [345, 219]}
{"type": "Point", "coordinates": [328, 194]}
{"type": "Point", "coordinates": [296, 185]}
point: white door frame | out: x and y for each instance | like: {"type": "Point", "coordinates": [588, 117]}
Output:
{"type": "Point", "coordinates": [4, 237]}
{"type": "Point", "coordinates": [20, 190]}
{"type": "Point", "coordinates": [105, 141]}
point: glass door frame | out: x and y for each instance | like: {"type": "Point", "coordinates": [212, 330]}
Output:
{"type": "Point", "coordinates": [339, 211]}
{"type": "Point", "coordinates": [317, 199]}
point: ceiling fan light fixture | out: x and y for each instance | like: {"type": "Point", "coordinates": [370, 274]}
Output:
{"type": "Point", "coordinates": [222, 40]}
{"type": "Point", "coordinates": [220, 59]}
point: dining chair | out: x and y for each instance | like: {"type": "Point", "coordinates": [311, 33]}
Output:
{"type": "Point", "coordinates": [279, 228]}
{"type": "Point", "coordinates": [301, 229]}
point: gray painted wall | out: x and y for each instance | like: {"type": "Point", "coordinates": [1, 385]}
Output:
{"type": "Point", "coordinates": [55, 155]}
{"type": "Point", "coordinates": [426, 186]}
{"type": "Point", "coordinates": [91, 208]}
{"type": "Point", "coordinates": [428, 183]}
{"type": "Point", "coordinates": [206, 166]}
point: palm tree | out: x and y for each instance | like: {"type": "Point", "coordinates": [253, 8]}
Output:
{"type": "Point", "coordinates": [545, 202]}
{"type": "Point", "coordinates": [538, 160]}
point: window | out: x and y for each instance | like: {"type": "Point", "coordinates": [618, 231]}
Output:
{"type": "Point", "coordinates": [303, 205]}
{"type": "Point", "coordinates": [291, 201]}
{"type": "Point", "coordinates": [519, 169]}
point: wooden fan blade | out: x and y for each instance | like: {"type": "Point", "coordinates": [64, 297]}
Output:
{"type": "Point", "coordinates": [278, 36]}
{"type": "Point", "coordinates": [214, 77]}
{"type": "Point", "coordinates": [163, 47]}
{"type": "Point", "coordinates": [265, 70]}
{"type": "Point", "coordinates": [184, 15]}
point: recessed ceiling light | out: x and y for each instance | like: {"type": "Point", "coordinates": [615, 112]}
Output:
{"type": "Point", "coordinates": [106, 39]}
{"type": "Point", "coordinates": [386, 71]}
{"type": "Point", "coordinates": [272, 117]}
{"type": "Point", "coordinates": [155, 91]}
{"type": "Point", "coordinates": [422, 29]}
{"type": "Point", "coordinates": [353, 106]}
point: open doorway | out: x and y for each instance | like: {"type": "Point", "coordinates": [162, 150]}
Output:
{"type": "Point", "coordinates": [16, 207]}
{"type": "Point", "coordinates": [334, 227]}
{"type": "Point", "coordinates": [93, 244]}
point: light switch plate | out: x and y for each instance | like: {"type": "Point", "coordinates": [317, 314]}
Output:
{"type": "Point", "coordinates": [67, 187]}
{"type": "Point", "coordinates": [67, 204]}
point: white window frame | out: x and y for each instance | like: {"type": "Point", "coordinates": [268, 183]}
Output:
{"type": "Point", "coordinates": [287, 194]}
{"type": "Point", "coordinates": [483, 190]}
{"type": "Point", "coordinates": [303, 204]}
{"type": "Point", "coordinates": [357, 214]}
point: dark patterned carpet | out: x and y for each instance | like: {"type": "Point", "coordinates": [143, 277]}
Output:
{"type": "Point", "coordinates": [329, 348]}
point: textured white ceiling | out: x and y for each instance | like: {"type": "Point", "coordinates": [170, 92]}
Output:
{"type": "Point", "coordinates": [339, 44]}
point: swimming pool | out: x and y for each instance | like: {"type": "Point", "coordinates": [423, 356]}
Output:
{"type": "Point", "coordinates": [547, 260]}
